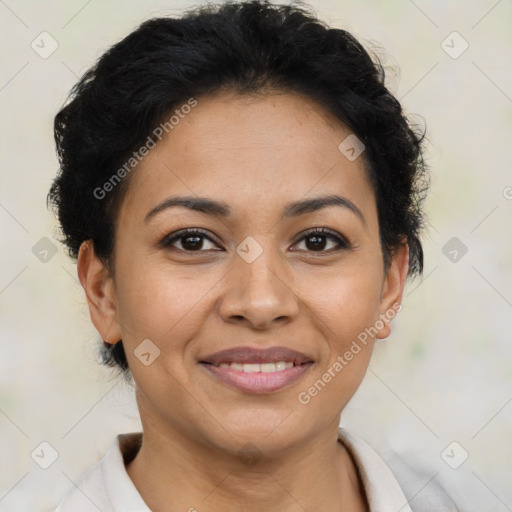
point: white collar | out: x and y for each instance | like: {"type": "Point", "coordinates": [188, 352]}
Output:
{"type": "Point", "coordinates": [382, 490]}
{"type": "Point", "coordinates": [123, 495]}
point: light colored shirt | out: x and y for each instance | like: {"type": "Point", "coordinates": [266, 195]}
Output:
{"type": "Point", "coordinates": [108, 487]}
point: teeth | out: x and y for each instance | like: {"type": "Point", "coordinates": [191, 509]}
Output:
{"type": "Point", "coordinates": [255, 367]}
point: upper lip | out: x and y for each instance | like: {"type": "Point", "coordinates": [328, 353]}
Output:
{"type": "Point", "coordinates": [248, 355]}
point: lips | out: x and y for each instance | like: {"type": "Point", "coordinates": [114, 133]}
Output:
{"type": "Point", "coordinates": [248, 355]}
{"type": "Point", "coordinates": [257, 371]}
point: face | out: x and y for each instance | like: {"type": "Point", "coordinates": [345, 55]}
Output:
{"type": "Point", "coordinates": [267, 267]}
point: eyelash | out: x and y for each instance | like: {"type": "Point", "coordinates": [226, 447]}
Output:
{"type": "Point", "coordinates": [168, 240]}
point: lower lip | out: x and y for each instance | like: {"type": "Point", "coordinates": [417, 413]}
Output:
{"type": "Point", "coordinates": [258, 382]}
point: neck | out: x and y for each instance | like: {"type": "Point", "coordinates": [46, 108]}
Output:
{"type": "Point", "coordinates": [173, 472]}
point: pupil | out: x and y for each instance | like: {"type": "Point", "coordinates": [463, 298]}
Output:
{"type": "Point", "coordinates": [312, 242]}
{"type": "Point", "coordinates": [319, 242]}
{"type": "Point", "coordinates": [194, 245]}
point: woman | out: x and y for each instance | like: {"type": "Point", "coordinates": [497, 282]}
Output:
{"type": "Point", "coordinates": [243, 197]}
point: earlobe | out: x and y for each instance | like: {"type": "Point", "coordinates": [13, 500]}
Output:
{"type": "Point", "coordinates": [98, 285]}
{"type": "Point", "coordinates": [393, 288]}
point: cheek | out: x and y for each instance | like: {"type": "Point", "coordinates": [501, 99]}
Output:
{"type": "Point", "coordinates": [345, 301]}
{"type": "Point", "coordinates": [342, 308]}
{"type": "Point", "coordinates": [156, 301]}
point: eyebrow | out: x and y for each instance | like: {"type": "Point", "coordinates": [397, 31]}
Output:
{"type": "Point", "coordinates": [221, 209]}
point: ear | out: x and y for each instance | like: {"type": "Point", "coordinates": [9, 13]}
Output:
{"type": "Point", "coordinates": [99, 290]}
{"type": "Point", "coordinates": [392, 289]}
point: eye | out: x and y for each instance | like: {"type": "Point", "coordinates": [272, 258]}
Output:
{"type": "Point", "coordinates": [193, 240]}
{"type": "Point", "coordinates": [190, 239]}
{"type": "Point", "coordinates": [316, 240]}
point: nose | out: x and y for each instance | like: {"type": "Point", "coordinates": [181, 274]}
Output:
{"type": "Point", "coordinates": [259, 294]}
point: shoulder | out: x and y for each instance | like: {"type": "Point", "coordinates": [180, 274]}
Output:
{"type": "Point", "coordinates": [393, 482]}
{"type": "Point", "coordinates": [106, 486]}
{"type": "Point", "coordinates": [88, 494]}
{"type": "Point", "coordinates": [421, 487]}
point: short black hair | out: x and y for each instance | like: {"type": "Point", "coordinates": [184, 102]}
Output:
{"type": "Point", "coordinates": [245, 48]}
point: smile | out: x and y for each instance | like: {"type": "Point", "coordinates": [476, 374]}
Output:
{"type": "Point", "coordinates": [255, 367]}
{"type": "Point", "coordinates": [257, 371]}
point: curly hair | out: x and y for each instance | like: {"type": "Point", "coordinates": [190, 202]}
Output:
{"type": "Point", "coordinates": [244, 48]}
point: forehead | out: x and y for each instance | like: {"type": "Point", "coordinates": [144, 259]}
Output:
{"type": "Point", "coordinates": [250, 150]}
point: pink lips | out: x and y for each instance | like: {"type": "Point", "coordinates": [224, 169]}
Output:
{"type": "Point", "coordinates": [257, 382]}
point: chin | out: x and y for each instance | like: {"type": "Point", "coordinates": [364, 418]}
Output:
{"type": "Point", "coordinates": [270, 430]}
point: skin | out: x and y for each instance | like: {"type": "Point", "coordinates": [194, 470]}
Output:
{"type": "Point", "coordinates": [256, 154]}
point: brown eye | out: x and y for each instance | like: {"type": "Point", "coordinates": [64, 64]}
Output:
{"type": "Point", "coordinates": [317, 240]}
{"type": "Point", "coordinates": [191, 240]}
